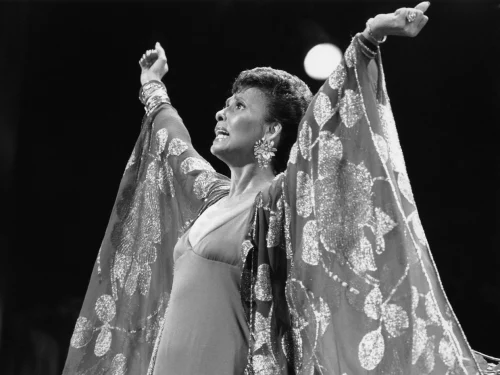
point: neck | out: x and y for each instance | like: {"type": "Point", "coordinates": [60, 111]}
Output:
{"type": "Point", "coordinates": [249, 179]}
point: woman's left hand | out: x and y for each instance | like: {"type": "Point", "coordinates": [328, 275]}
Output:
{"type": "Point", "coordinates": [403, 22]}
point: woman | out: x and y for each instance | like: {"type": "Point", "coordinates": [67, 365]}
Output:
{"type": "Point", "coordinates": [321, 269]}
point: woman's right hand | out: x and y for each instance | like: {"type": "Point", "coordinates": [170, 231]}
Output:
{"type": "Point", "coordinates": [153, 64]}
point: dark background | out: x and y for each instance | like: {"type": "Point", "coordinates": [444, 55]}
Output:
{"type": "Point", "coordinates": [69, 117]}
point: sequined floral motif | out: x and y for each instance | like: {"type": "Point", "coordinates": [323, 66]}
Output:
{"type": "Point", "coordinates": [381, 146]}
{"type": "Point", "coordinates": [343, 206]}
{"type": "Point", "coordinates": [392, 316]}
{"type": "Point", "coordinates": [371, 349]}
{"type": "Point", "coordinates": [304, 194]}
{"type": "Point", "coordinates": [310, 249]}
{"type": "Point", "coordinates": [263, 290]}
{"type": "Point", "coordinates": [275, 225]}
{"type": "Point", "coordinates": [293, 154]}
{"type": "Point", "coordinates": [176, 147]}
{"type": "Point", "coordinates": [322, 315]}
{"type": "Point", "coordinates": [446, 352]}
{"type": "Point", "coordinates": [245, 248]}
{"type": "Point", "coordinates": [390, 135]}
{"type": "Point", "coordinates": [264, 365]}
{"type": "Point", "coordinates": [350, 56]}
{"type": "Point", "coordinates": [105, 309]}
{"type": "Point", "coordinates": [383, 225]}
{"type": "Point", "coordinates": [161, 140]}
{"type": "Point", "coordinates": [191, 164]}
{"type": "Point", "coordinates": [351, 108]}
{"type": "Point", "coordinates": [329, 154]}
{"type": "Point", "coordinates": [262, 330]}
{"type": "Point", "coordinates": [118, 365]}
{"type": "Point", "coordinates": [361, 257]}
{"type": "Point", "coordinates": [305, 136]}
{"type": "Point", "coordinates": [323, 110]}
{"type": "Point", "coordinates": [82, 333]}
{"type": "Point", "coordinates": [202, 184]}
{"type": "Point", "coordinates": [337, 78]}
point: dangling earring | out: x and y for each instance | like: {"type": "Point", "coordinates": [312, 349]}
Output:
{"type": "Point", "coordinates": [264, 152]}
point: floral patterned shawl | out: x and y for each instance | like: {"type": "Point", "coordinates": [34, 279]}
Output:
{"type": "Point", "coordinates": [337, 276]}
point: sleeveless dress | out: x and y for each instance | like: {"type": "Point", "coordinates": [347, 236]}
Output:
{"type": "Point", "coordinates": [195, 340]}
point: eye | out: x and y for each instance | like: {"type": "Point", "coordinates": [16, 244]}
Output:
{"type": "Point", "coordinates": [240, 105]}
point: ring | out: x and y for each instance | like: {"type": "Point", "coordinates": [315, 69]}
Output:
{"type": "Point", "coordinates": [412, 14]}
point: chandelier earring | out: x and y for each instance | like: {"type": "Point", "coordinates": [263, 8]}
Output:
{"type": "Point", "coordinates": [264, 152]}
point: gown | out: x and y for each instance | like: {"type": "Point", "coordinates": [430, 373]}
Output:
{"type": "Point", "coordinates": [207, 278]}
{"type": "Point", "coordinates": [336, 273]}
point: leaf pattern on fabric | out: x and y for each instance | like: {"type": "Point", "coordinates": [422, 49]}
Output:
{"type": "Point", "coordinates": [383, 225]}
{"type": "Point", "coordinates": [310, 252]}
{"type": "Point", "coordinates": [323, 110]}
{"type": "Point", "coordinates": [263, 290]}
{"type": "Point", "coordinates": [305, 136]}
{"type": "Point", "coordinates": [371, 349]}
{"type": "Point", "coordinates": [304, 194]}
{"type": "Point", "coordinates": [395, 319]}
{"type": "Point", "coordinates": [119, 365]}
{"type": "Point", "coordinates": [329, 154]}
{"type": "Point", "coordinates": [372, 304]}
{"type": "Point", "coordinates": [351, 108]}
{"type": "Point", "coordinates": [292, 159]}
{"type": "Point", "coordinates": [82, 334]}
{"type": "Point", "coordinates": [337, 78]}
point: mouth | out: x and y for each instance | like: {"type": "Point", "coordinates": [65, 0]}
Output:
{"type": "Point", "coordinates": [221, 134]}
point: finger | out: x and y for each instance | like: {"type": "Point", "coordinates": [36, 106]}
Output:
{"type": "Point", "coordinates": [423, 22]}
{"type": "Point", "coordinates": [161, 51]}
{"type": "Point", "coordinates": [423, 6]}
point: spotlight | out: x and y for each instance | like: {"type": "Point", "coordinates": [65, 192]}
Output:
{"type": "Point", "coordinates": [321, 60]}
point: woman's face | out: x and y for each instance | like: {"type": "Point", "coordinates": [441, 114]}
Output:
{"type": "Point", "coordinates": [239, 125]}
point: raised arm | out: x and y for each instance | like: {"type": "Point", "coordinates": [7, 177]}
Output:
{"type": "Point", "coordinates": [363, 291]}
{"type": "Point", "coordinates": [185, 170]}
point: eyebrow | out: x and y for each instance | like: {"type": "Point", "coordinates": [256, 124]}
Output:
{"type": "Point", "coordinates": [235, 97]}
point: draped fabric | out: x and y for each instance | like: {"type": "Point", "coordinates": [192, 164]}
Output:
{"type": "Point", "coordinates": [165, 184]}
{"type": "Point", "coordinates": [337, 276]}
{"type": "Point", "coordinates": [362, 294]}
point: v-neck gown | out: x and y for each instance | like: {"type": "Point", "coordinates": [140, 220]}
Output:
{"type": "Point", "coordinates": [205, 330]}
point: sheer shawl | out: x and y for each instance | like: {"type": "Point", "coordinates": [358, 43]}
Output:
{"type": "Point", "coordinates": [337, 275]}
{"type": "Point", "coordinates": [165, 184]}
{"type": "Point", "coordinates": [362, 293]}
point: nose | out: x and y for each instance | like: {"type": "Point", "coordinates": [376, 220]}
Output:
{"type": "Point", "coordinates": [220, 115]}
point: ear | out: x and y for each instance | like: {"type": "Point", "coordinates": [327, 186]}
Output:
{"type": "Point", "coordinates": [273, 132]}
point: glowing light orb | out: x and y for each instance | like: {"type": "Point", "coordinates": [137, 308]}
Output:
{"type": "Point", "coordinates": [321, 60]}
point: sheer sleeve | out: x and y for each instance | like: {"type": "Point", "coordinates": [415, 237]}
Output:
{"type": "Point", "coordinates": [164, 186]}
{"type": "Point", "coordinates": [341, 275]}
{"type": "Point", "coordinates": [363, 291]}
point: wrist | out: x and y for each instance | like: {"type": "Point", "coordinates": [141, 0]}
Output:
{"type": "Point", "coordinates": [145, 79]}
{"type": "Point", "coordinates": [374, 32]}
{"type": "Point", "coordinates": [376, 28]}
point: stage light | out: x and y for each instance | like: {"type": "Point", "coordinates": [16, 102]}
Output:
{"type": "Point", "coordinates": [321, 60]}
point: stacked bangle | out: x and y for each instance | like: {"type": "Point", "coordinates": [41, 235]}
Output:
{"type": "Point", "coordinates": [367, 51]}
{"type": "Point", "coordinates": [152, 94]}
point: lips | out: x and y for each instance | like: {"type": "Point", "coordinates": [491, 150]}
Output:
{"type": "Point", "coordinates": [221, 133]}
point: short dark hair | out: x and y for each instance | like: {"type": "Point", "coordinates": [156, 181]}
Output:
{"type": "Point", "coordinates": [288, 98]}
